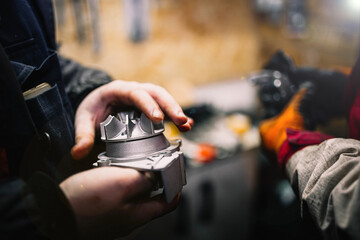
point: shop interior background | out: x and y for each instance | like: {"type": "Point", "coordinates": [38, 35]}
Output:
{"type": "Point", "coordinates": [203, 52]}
{"type": "Point", "coordinates": [182, 44]}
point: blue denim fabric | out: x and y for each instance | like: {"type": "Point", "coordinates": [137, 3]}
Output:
{"type": "Point", "coordinates": [27, 35]}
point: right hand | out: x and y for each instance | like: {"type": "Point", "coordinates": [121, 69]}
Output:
{"type": "Point", "coordinates": [154, 101]}
{"type": "Point", "coordinates": [111, 202]}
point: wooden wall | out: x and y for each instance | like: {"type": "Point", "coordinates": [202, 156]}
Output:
{"type": "Point", "coordinates": [194, 42]}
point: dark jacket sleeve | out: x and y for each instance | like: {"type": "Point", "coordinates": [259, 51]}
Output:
{"type": "Point", "coordinates": [36, 209]}
{"type": "Point", "coordinates": [79, 80]}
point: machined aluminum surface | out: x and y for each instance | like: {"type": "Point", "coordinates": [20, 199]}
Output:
{"type": "Point", "coordinates": [133, 141]}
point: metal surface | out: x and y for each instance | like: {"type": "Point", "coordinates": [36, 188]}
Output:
{"type": "Point", "coordinates": [217, 204]}
{"type": "Point", "coordinates": [133, 141]}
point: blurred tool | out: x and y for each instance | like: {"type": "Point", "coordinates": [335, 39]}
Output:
{"type": "Point", "coordinates": [95, 24]}
{"type": "Point", "coordinates": [198, 153]}
{"type": "Point", "coordinates": [195, 153]}
{"type": "Point", "coordinates": [78, 11]}
{"type": "Point", "coordinates": [212, 132]}
{"type": "Point", "coordinates": [271, 8]}
{"type": "Point", "coordinates": [246, 131]}
{"type": "Point", "coordinates": [296, 15]}
{"type": "Point", "coordinates": [215, 135]}
{"type": "Point", "coordinates": [137, 19]}
{"type": "Point", "coordinates": [239, 123]}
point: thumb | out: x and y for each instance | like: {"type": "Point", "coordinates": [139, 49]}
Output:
{"type": "Point", "coordinates": [84, 136]}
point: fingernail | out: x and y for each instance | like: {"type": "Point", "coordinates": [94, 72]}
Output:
{"type": "Point", "coordinates": [157, 114]}
{"type": "Point", "coordinates": [81, 143]}
{"type": "Point", "coordinates": [184, 127]}
{"type": "Point", "coordinates": [181, 114]}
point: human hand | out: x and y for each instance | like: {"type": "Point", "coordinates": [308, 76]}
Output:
{"type": "Point", "coordinates": [154, 101]}
{"type": "Point", "coordinates": [111, 202]}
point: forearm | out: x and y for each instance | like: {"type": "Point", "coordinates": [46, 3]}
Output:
{"type": "Point", "coordinates": [326, 179]}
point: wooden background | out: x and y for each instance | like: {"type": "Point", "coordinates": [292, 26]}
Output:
{"type": "Point", "coordinates": [195, 42]}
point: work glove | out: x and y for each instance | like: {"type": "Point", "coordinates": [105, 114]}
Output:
{"type": "Point", "coordinates": [324, 98]}
{"type": "Point", "coordinates": [286, 133]}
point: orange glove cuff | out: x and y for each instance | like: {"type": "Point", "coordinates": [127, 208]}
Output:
{"type": "Point", "coordinates": [273, 131]}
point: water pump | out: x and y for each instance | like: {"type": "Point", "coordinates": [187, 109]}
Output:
{"type": "Point", "coordinates": [133, 141]}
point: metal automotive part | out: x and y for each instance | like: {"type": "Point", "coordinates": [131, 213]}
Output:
{"type": "Point", "coordinates": [133, 141]}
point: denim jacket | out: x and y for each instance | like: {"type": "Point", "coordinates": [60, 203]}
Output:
{"type": "Point", "coordinates": [37, 134]}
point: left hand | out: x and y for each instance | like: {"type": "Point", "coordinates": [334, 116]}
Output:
{"type": "Point", "coordinates": [109, 202]}
{"type": "Point", "coordinates": [154, 101]}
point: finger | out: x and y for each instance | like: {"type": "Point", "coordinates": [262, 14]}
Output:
{"type": "Point", "coordinates": [146, 103]}
{"type": "Point", "coordinates": [167, 103]}
{"type": "Point", "coordinates": [84, 135]}
{"type": "Point", "coordinates": [131, 93]}
{"type": "Point", "coordinates": [151, 100]}
{"type": "Point", "coordinates": [190, 121]}
{"type": "Point", "coordinates": [187, 126]}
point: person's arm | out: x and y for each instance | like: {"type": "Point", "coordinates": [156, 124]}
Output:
{"type": "Point", "coordinates": [79, 80]}
{"type": "Point", "coordinates": [326, 177]}
{"type": "Point", "coordinates": [324, 171]}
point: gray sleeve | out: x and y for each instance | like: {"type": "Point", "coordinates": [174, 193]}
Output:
{"type": "Point", "coordinates": [326, 179]}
